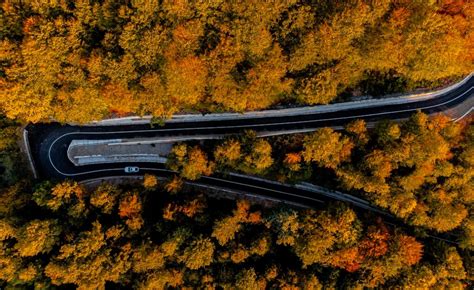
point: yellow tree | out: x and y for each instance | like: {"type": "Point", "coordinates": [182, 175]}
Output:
{"type": "Point", "coordinates": [333, 39]}
{"type": "Point", "coordinates": [104, 197]}
{"type": "Point", "coordinates": [87, 261]}
{"type": "Point", "coordinates": [162, 279]}
{"type": "Point", "coordinates": [409, 249]}
{"type": "Point", "coordinates": [68, 195]}
{"type": "Point", "coordinates": [191, 162]}
{"type": "Point", "coordinates": [327, 148]}
{"type": "Point", "coordinates": [228, 153]}
{"type": "Point", "coordinates": [198, 254]}
{"type": "Point", "coordinates": [259, 157]}
{"type": "Point", "coordinates": [358, 131]}
{"type": "Point", "coordinates": [185, 81]}
{"type": "Point", "coordinates": [37, 237]}
{"type": "Point", "coordinates": [224, 230]}
{"type": "Point", "coordinates": [146, 258]}
{"type": "Point", "coordinates": [150, 181]}
{"type": "Point", "coordinates": [265, 82]}
{"type": "Point", "coordinates": [247, 279]}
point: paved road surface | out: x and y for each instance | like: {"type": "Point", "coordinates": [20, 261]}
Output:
{"type": "Point", "coordinates": [49, 143]}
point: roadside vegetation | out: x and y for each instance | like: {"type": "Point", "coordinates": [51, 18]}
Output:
{"type": "Point", "coordinates": [420, 170]}
{"type": "Point", "coordinates": [163, 233]}
{"type": "Point", "coordinates": [12, 170]}
{"type": "Point", "coordinates": [77, 61]}
{"type": "Point", "coordinates": [143, 237]}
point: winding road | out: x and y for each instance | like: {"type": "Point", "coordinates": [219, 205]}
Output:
{"type": "Point", "coordinates": [47, 144]}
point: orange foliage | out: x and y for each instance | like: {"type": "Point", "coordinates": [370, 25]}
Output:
{"type": "Point", "coordinates": [161, 58]}
{"type": "Point", "coordinates": [410, 249]}
{"type": "Point", "coordinates": [292, 161]}
{"type": "Point", "coordinates": [292, 158]}
{"type": "Point", "coordinates": [29, 24]}
{"type": "Point", "coordinates": [195, 206]}
{"type": "Point", "coordinates": [399, 17]}
{"type": "Point", "coordinates": [376, 243]}
{"type": "Point", "coordinates": [119, 99]}
{"type": "Point", "coordinates": [347, 259]}
{"type": "Point", "coordinates": [254, 217]}
{"type": "Point", "coordinates": [169, 211]}
{"type": "Point", "coordinates": [150, 181]}
{"type": "Point", "coordinates": [189, 209]}
{"type": "Point", "coordinates": [174, 185]}
{"type": "Point", "coordinates": [243, 207]}
{"type": "Point", "coordinates": [130, 206]}
{"type": "Point", "coordinates": [452, 7]}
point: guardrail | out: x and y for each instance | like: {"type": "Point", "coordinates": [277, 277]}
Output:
{"type": "Point", "coordinates": [408, 98]}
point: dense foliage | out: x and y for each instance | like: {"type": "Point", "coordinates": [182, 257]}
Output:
{"type": "Point", "coordinates": [83, 60]}
{"type": "Point", "coordinates": [142, 237]}
{"type": "Point", "coordinates": [10, 169]}
{"type": "Point", "coordinates": [77, 61]}
{"type": "Point", "coordinates": [160, 234]}
{"type": "Point", "coordinates": [421, 169]}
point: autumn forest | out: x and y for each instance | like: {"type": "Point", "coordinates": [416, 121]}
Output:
{"type": "Point", "coordinates": [84, 60]}
{"type": "Point", "coordinates": [73, 62]}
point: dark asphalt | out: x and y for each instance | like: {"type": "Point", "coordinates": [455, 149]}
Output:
{"type": "Point", "coordinates": [54, 138]}
{"type": "Point", "coordinates": [49, 143]}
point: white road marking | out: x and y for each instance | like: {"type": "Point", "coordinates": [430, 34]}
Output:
{"type": "Point", "coordinates": [464, 115]}
{"type": "Point", "coordinates": [403, 99]}
{"type": "Point", "coordinates": [237, 126]}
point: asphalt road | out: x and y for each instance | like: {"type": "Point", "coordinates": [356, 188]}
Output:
{"type": "Point", "coordinates": [49, 142]}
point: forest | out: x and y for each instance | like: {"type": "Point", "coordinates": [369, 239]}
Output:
{"type": "Point", "coordinates": [77, 61]}
{"type": "Point", "coordinates": [420, 170]}
{"type": "Point", "coordinates": [159, 234]}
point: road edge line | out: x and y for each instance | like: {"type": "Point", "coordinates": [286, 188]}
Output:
{"type": "Point", "coordinates": [26, 144]}
{"type": "Point", "coordinates": [140, 120]}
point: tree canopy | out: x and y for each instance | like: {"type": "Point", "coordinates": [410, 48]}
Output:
{"type": "Point", "coordinates": [197, 241]}
{"type": "Point", "coordinates": [77, 61]}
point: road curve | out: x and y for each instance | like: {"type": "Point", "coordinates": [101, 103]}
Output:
{"type": "Point", "coordinates": [49, 142]}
